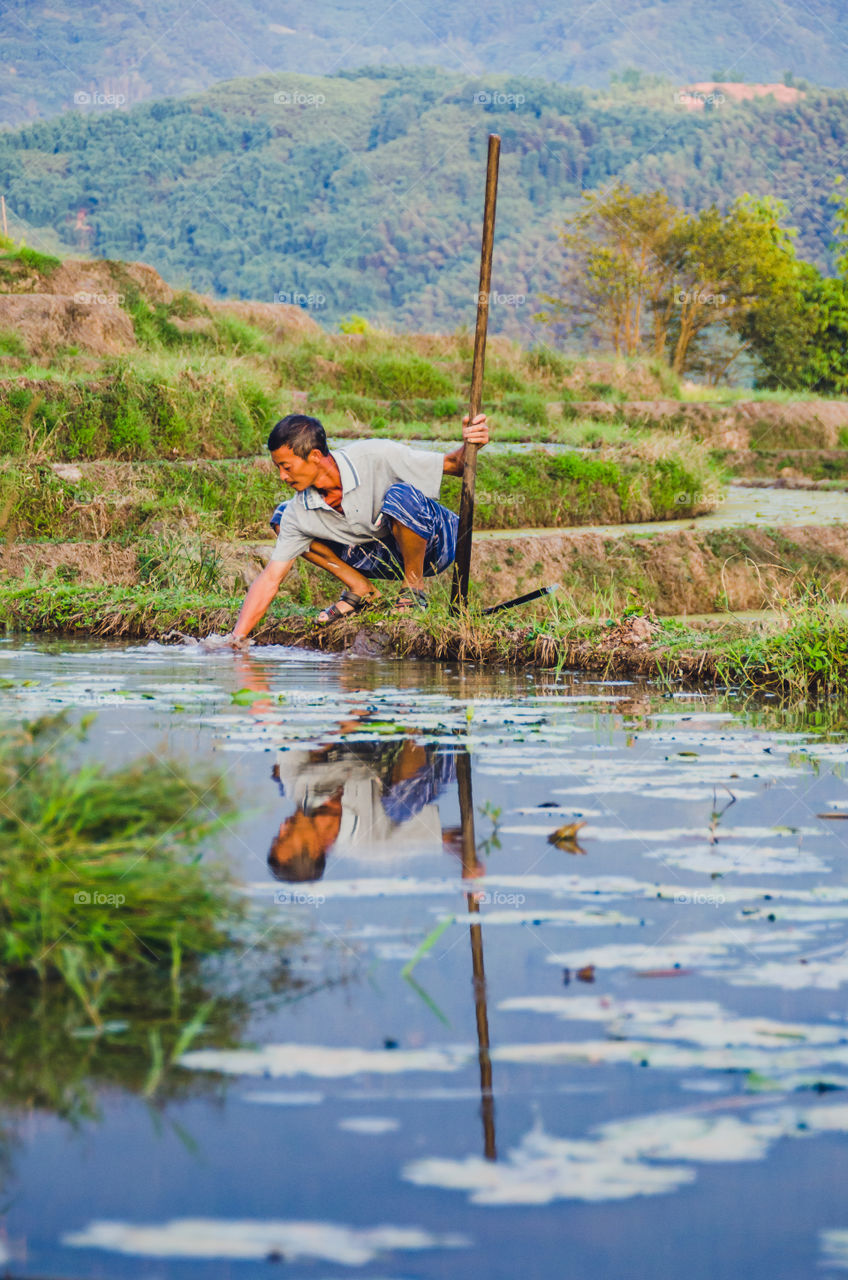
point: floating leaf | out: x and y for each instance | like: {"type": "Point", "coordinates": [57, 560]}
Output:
{"type": "Point", "coordinates": [246, 697]}
{"type": "Point", "coordinates": [565, 837]}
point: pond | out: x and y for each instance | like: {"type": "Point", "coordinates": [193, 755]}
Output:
{"type": "Point", "coordinates": [619, 1050]}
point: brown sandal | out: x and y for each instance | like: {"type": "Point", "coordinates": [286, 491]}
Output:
{"type": "Point", "coordinates": [357, 604]}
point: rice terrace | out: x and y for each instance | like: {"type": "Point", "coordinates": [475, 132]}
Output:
{"type": "Point", "coordinates": [424, 599]}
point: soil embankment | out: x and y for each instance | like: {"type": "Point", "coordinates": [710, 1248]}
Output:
{"type": "Point", "coordinates": [738, 425]}
{"type": "Point", "coordinates": [636, 645]}
{"type": "Point", "coordinates": [675, 572]}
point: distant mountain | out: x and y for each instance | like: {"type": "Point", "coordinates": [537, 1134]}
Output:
{"type": "Point", "coordinates": [363, 192]}
{"type": "Point", "coordinates": [57, 51]}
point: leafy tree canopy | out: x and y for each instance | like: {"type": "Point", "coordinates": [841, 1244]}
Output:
{"type": "Point", "coordinates": [362, 192]}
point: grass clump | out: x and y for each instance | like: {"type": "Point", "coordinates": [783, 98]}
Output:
{"type": "Point", "coordinates": [12, 345]}
{"type": "Point", "coordinates": [806, 651]}
{"type": "Point", "coordinates": [185, 323]}
{"type": "Point", "coordinates": [44, 263]}
{"type": "Point", "coordinates": [653, 479]}
{"type": "Point", "coordinates": [394, 377]}
{"type": "Point", "coordinates": [136, 410]}
{"type": "Point", "coordinates": [178, 563]}
{"type": "Point", "coordinates": [237, 337]}
{"type": "Point", "coordinates": [95, 879]}
{"type": "Point", "coordinates": [152, 322]}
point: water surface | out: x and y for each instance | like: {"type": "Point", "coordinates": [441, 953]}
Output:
{"type": "Point", "coordinates": [625, 1053]}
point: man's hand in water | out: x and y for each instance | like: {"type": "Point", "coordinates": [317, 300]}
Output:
{"type": "Point", "coordinates": [210, 644]}
{"type": "Point", "coordinates": [240, 643]}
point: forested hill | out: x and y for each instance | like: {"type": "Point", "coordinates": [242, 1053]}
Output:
{"type": "Point", "coordinates": [54, 50]}
{"type": "Point", "coordinates": [363, 192]}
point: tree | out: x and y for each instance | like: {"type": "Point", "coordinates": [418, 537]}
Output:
{"type": "Point", "coordinates": [732, 266]}
{"type": "Point", "coordinates": [801, 337]}
{"type": "Point", "coordinates": [641, 274]}
{"type": "Point", "coordinates": [802, 343]}
{"type": "Point", "coordinates": [621, 256]}
{"type": "Point", "coordinates": [841, 219]}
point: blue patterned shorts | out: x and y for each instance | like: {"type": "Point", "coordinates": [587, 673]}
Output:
{"type": "Point", "coordinates": [424, 516]}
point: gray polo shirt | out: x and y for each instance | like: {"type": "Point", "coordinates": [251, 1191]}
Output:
{"type": "Point", "coordinates": [368, 468]}
{"type": "Point", "coordinates": [366, 831]}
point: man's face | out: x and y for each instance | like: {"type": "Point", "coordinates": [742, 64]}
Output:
{"type": "Point", "coordinates": [300, 473]}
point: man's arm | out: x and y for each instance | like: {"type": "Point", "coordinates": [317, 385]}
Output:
{"type": "Point", "coordinates": [476, 432]}
{"type": "Point", "coordinates": [259, 596]}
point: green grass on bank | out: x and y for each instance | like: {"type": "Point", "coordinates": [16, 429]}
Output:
{"type": "Point", "coordinates": [208, 379]}
{"type": "Point", "coordinates": [206, 383]}
{"type": "Point", "coordinates": [136, 411]}
{"type": "Point", "coordinates": [131, 612]}
{"type": "Point", "coordinates": [814, 464]}
{"type": "Point", "coordinates": [803, 651]}
{"type": "Point", "coordinates": [108, 920]}
{"type": "Point", "coordinates": [202, 371]}
{"type": "Point", "coordinates": [95, 873]}
{"type": "Point", "coordinates": [168, 406]}
{"type": "Point", "coordinates": [699, 393]}
{"type": "Point", "coordinates": [807, 649]}
{"type": "Point", "coordinates": [649, 480]}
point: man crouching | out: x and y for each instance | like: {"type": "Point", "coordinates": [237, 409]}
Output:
{"type": "Point", "coordinates": [367, 511]}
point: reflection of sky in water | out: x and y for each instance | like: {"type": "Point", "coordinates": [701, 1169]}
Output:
{"type": "Point", "coordinates": [669, 1039]}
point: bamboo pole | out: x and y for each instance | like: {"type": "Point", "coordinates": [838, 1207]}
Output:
{"type": "Point", "coordinates": [3, 209]}
{"type": "Point", "coordinates": [462, 566]}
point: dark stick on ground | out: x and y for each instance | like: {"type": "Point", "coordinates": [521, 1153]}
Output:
{"type": "Point", "coordinates": [459, 588]}
{"type": "Point", "coordinates": [469, 862]}
{"type": "Point", "coordinates": [510, 604]}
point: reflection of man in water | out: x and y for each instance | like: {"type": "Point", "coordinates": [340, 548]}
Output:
{"type": "Point", "coordinates": [376, 801]}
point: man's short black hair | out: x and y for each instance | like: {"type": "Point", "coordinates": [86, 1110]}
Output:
{"type": "Point", "coordinates": [300, 433]}
{"type": "Point", "coordinates": [298, 869]}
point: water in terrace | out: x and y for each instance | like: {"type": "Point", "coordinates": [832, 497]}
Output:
{"type": "Point", "coordinates": [622, 1053]}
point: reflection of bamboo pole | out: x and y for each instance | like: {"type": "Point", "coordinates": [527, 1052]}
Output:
{"type": "Point", "coordinates": [469, 862]}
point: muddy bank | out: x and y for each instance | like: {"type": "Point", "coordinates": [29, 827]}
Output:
{"type": "Point", "coordinates": [784, 466]}
{"type": "Point", "coordinates": [800, 648]}
{"type": "Point", "coordinates": [791, 482]}
{"type": "Point", "coordinates": [634, 646]}
{"type": "Point", "coordinates": [743, 424]}
{"type": "Point", "coordinates": [680, 571]}
{"type": "Point", "coordinates": [685, 570]}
